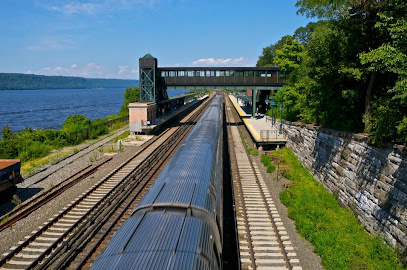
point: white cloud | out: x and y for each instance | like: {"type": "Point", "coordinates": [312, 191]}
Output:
{"type": "Point", "coordinates": [241, 61]}
{"type": "Point", "coordinates": [54, 43]}
{"type": "Point", "coordinates": [90, 70]}
{"type": "Point", "coordinates": [100, 6]}
{"type": "Point", "coordinates": [92, 66]}
{"type": "Point", "coordinates": [122, 69]}
{"type": "Point", "coordinates": [74, 8]}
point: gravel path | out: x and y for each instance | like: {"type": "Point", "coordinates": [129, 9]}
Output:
{"type": "Point", "coordinates": [11, 236]}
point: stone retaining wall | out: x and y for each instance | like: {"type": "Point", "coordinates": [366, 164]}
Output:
{"type": "Point", "coordinates": [371, 181]}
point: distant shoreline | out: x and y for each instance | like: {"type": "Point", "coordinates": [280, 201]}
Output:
{"type": "Point", "coordinates": [112, 87]}
{"type": "Point", "coordinates": [19, 81]}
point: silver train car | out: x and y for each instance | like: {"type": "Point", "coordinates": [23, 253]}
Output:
{"type": "Point", "coordinates": [178, 223]}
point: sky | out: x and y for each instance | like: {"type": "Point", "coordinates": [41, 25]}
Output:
{"type": "Point", "coordinates": [106, 38]}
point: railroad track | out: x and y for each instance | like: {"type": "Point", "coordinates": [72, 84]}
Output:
{"type": "Point", "coordinates": [39, 200]}
{"type": "Point", "coordinates": [92, 217]}
{"type": "Point", "coordinates": [263, 240]}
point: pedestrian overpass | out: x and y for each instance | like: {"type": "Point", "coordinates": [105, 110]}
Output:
{"type": "Point", "coordinates": [154, 81]}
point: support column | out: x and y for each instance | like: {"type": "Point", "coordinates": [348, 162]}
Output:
{"type": "Point", "coordinates": [253, 103]}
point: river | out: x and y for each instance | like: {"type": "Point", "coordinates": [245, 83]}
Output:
{"type": "Point", "coordinates": [48, 109]}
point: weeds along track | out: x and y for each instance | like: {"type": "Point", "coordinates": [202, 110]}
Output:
{"type": "Point", "coordinates": [263, 240]}
{"type": "Point", "coordinates": [72, 237]}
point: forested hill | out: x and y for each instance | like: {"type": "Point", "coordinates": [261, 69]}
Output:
{"type": "Point", "coordinates": [10, 81]}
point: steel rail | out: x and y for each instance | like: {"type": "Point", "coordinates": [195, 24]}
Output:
{"type": "Point", "coordinates": [58, 240]}
{"type": "Point", "coordinates": [232, 150]}
{"type": "Point", "coordinates": [33, 204]}
{"type": "Point", "coordinates": [280, 241]}
{"type": "Point", "coordinates": [26, 242]}
{"type": "Point", "coordinates": [83, 237]}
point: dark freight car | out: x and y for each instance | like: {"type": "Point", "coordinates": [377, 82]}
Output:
{"type": "Point", "coordinates": [9, 173]}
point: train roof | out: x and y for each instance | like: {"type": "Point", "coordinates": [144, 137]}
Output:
{"type": "Point", "coordinates": [4, 163]}
{"type": "Point", "coordinates": [160, 240]}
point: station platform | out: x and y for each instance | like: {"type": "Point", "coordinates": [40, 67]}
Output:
{"type": "Point", "coordinates": [159, 122]}
{"type": "Point", "coordinates": [260, 127]}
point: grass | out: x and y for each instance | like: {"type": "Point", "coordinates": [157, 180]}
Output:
{"type": "Point", "coordinates": [29, 167]}
{"type": "Point", "coordinates": [16, 200]}
{"type": "Point", "coordinates": [5, 219]}
{"type": "Point", "coordinates": [121, 137]}
{"type": "Point", "coordinates": [336, 234]}
{"type": "Point", "coordinates": [251, 151]}
{"type": "Point", "coordinates": [267, 162]}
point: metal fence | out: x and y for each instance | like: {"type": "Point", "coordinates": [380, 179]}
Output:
{"type": "Point", "coordinates": [85, 133]}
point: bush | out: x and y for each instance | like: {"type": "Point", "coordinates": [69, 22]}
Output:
{"type": "Point", "coordinates": [266, 160]}
{"type": "Point", "coordinates": [75, 123]}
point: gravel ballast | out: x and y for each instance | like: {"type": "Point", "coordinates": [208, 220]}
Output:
{"type": "Point", "coordinates": [92, 155]}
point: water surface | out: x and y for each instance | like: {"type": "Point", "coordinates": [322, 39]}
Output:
{"type": "Point", "coordinates": [48, 109]}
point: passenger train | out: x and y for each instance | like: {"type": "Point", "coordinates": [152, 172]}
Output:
{"type": "Point", "coordinates": [178, 223]}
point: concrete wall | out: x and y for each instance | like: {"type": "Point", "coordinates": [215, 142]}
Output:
{"type": "Point", "coordinates": [371, 181]}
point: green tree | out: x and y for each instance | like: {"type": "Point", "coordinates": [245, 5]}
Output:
{"type": "Point", "coordinates": [130, 95]}
{"type": "Point", "coordinates": [269, 52]}
{"type": "Point", "coordinates": [388, 118]}
{"type": "Point", "coordinates": [304, 34]}
{"type": "Point", "coordinates": [289, 57]}
{"type": "Point", "coordinates": [75, 122]}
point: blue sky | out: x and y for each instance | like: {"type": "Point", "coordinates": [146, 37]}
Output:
{"type": "Point", "coordinates": [105, 38]}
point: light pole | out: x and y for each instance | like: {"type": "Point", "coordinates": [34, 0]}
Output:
{"type": "Point", "coordinates": [267, 104]}
{"type": "Point", "coordinates": [273, 119]}
{"type": "Point", "coordinates": [281, 118]}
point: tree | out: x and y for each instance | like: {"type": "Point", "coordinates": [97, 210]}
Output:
{"type": "Point", "coordinates": [289, 57]}
{"type": "Point", "coordinates": [269, 52]}
{"type": "Point", "coordinates": [387, 121]}
{"type": "Point", "coordinates": [130, 95]}
{"type": "Point", "coordinates": [304, 34]}
{"type": "Point", "coordinates": [75, 122]}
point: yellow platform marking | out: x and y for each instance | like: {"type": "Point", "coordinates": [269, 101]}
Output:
{"type": "Point", "coordinates": [244, 116]}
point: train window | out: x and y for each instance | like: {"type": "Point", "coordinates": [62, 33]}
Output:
{"type": "Point", "coordinates": [164, 73]}
{"type": "Point", "coordinates": [173, 73]}
{"type": "Point", "coordinates": [222, 73]}
{"type": "Point", "coordinates": [181, 73]}
{"type": "Point", "coordinates": [212, 73]}
{"type": "Point", "coordinates": [249, 73]}
{"type": "Point", "coordinates": [208, 73]}
{"type": "Point", "coordinates": [217, 73]}
{"type": "Point", "coordinates": [202, 73]}
{"type": "Point", "coordinates": [197, 73]}
{"type": "Point", "coordinates": [190, 74]}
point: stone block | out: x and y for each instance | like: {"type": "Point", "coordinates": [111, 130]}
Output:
{"type": "Point", "coordinates": [401, 186]}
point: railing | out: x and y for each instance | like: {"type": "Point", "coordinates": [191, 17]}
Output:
{"type": "Point", "coordinates": [268, 134]}
{"type": "Point", "coordinates": [86, 133]}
